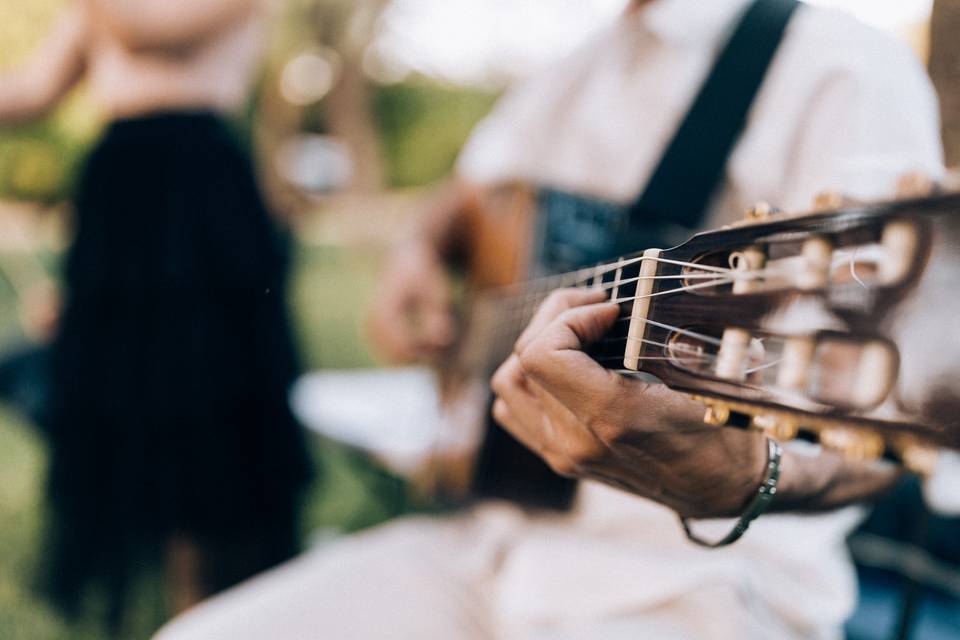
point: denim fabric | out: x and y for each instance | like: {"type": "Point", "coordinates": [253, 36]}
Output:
{"type": "Point", "coordinates": [575, 231]}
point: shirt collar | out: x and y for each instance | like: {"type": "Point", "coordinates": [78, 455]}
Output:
{"type": "Point", "coordinates": [689, 21]}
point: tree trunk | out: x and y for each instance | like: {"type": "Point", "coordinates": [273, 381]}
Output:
{"type": "Point", "coordinates": [347, 26]}
{"type": "Point", "coordinates": [945, 71]}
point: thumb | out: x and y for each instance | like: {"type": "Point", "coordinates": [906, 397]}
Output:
{"type": "Point", "coordinates": [556, 360]}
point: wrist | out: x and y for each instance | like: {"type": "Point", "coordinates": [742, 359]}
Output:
{"type": "Point", "coordinates": [731, 495]}
{"type": "Point", "coordinates": [759, 504]}
{"type": "Point", "coordinates": [817, 480]}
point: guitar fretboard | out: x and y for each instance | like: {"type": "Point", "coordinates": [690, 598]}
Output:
{"type": "Point", "coordinates": [500, 315]}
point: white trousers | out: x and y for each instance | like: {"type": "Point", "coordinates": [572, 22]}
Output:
{"type": "Point", "coordinates": [499, 573]}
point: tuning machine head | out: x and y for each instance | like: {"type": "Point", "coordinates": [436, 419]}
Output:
{"type": "Point", "coordinates": [918, 458]}
{"type": "Point", "coordinates": [778, 427]}
{"type": "Point", "coordinates": [854, 444]}
{"type": "Point", "coordinates": [915, 185]}
{"type": "Point", "coordinates": [717, 413]}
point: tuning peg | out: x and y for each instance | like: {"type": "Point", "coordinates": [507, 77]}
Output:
{"type": "Point", "coordinates": [828, 200]}
{"type": "Point", "coordinates": [854, 444]}
{"type": "Point", "coordinates": [760, 211]}
{"type": "Point", "coordinates": [901, 241]}
{"type": "Point", "coordinates": [717, 413]}
{"type": "Point", "coordinates": [776, 427]}
{"type": "Point", "coordinates": [915, 185]}
{"type": "Point", "coordinates": [919, 459]}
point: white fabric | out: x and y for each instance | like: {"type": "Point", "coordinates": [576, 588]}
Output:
{"type": "Point", "coordinates": [497, 573]}
{"type": "Point", "coordinates": [844, 108]}
{"type": "Point", "coordinates": [942, 489]}
{"type": "Point", "coordinates": [396, 420]}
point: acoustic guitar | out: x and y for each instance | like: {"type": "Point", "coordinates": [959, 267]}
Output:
{"type": "Point", "coordinates": [838, 325]}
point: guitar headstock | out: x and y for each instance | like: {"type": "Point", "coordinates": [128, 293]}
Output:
{"type": "Point", "coordinates": [835, 325]}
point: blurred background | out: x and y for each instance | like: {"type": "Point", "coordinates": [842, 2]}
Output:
{"type": "Point", "coordinates": [362, 107]}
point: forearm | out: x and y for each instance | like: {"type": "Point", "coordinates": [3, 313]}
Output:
{"type": "Point", "coordinates": [828, 481]}
{"type": "Point", "coordinates": [21, 100]}
{"type": "Point", "coordinates": [168, 24]}
{"type": "Point", "coordinates": [29, 92]}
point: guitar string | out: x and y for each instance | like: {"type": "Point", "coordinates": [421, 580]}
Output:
{"type": "Point", "coordinates": [693, 287]}
{"type": "Point", "coordinates": [497, 295]}
{"type": "Point", "coordinates": [502, 336]}
{"type": "Point", "coordinates": [587, 274]}
{"type": "Point", "coordinates": [510, 333]}
{"type": "Point", "coordinates": [530, 300]}
{"type": "Point", "coordinates": [716, 282]}
{"type": "Point", "coordinates": [682, 347]}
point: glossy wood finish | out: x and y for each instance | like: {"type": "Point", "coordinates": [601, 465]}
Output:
{"type": "Point", "coordinates": [863, 313]}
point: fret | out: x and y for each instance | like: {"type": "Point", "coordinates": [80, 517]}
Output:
{"type": "Point", "coordinates": [585, 277]}
{"type": "Point", "coordinates": [597, 278]}
{"type": "Point", "coordinates": [615, 293]}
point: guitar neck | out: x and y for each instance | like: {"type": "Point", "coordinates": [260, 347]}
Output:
{"type": "Point", "coordinates": [501, 314]}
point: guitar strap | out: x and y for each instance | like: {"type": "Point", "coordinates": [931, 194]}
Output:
{"type": "Point", "coordinates": [693, 165]}
{"type": "Point", "coordinates": [678, 193]}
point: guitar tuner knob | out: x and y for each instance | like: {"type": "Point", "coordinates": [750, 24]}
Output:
{"type": "Point", "coordinates": [852, 443]}
{"type": "Point", "coordinates": [776, 427]}
{"type": "Point", "coordinates": [919, 459]}
{"type": "Point", "coordinates": [717, 414]}
{"type": "Point", "coordinates": [760, 211]}
{"type": "Point", "coordinates": [915, 185]}
{"type": "Point", "coordinates": [828, 201]}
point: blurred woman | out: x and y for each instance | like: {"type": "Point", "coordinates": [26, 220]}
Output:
{"type": "Point", "coordinates": [172, 440]}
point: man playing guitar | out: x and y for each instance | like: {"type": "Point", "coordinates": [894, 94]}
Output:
{"type": "Point", "coordinates": [834, 105]}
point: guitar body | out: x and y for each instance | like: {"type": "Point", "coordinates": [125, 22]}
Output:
{"type": "Point", "coordinates": [475, 458]}
{"type": "Point", "coordinates": [500, 235]}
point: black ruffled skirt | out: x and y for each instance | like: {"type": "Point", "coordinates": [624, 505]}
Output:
{"type": "Point", "coordinates": [169, 412]}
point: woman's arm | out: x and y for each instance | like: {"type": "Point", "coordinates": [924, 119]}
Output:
{"type": "Point", "coordinates": [168, 24]}
{"type": "Point", "coordinates": [30, 91]}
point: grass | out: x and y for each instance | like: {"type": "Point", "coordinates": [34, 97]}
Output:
{"type": "Point", "coordinates": [330, 290]}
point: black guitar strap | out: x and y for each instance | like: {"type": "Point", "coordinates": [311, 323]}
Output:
{"type": "Point", "coordinates": [678, 193]}
{"type": "Point", "coordinates": [694, 162]}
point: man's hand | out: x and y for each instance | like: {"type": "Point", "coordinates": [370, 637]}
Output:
{"type": "Point", "coordinates": [592, 423]}
{"type": "Point", "coordinates": [411, 319]}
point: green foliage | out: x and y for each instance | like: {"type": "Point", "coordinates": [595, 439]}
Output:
{"type": "Point", "coordinates": [331, 289]}
{"type": "Point", "coordinates": [21, 469]}
{"type": "Point", "coordinates": [38, 163]}
{"type": "Point", "coordinates": [424, 124]}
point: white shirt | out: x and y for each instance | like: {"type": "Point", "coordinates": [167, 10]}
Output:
{"type": "Point", "coordinates": [843, 108]}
